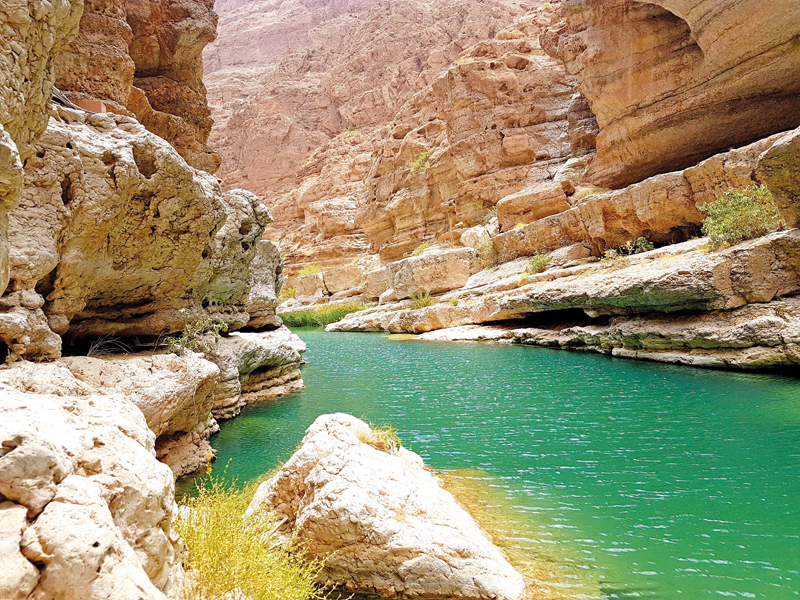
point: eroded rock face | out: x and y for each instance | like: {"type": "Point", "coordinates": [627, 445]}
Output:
{"type": "Point", "coordinates": [84, 468]}
{"type": "Point", "coordinates": [255, 367]}
{"type": "Point", "coordinates": [381, 520]}
{"type": "Point", "coordinates": [116, 235]}
{"type": "Point", "coordinates": [433, 272]}
{"type": "Point", "coordinates": [143, 57]}
{"type": "Point", "coordinates": [674, 278]}
{"type": "Point", "coordinates": [285, 77]}
{"type": "Point", "coordinates": [718, 74]}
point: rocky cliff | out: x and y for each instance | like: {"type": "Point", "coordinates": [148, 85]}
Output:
{"type": "Point", "coordinates": [285, 77]}
{"type": "Point", "coordinates": [144, 59]}
{"type": "Point", "coordinates": [110, 241]}
{"type": "Point", "coordinates": [579, 128]}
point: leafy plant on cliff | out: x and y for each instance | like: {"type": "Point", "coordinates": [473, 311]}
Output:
{"type": "Point", "coordinates": [199, 336]}
{"type": "Point", "coordinates": [538, 264]}
{"type": "Point", "coordinates": [741, 215]}
{"type": "Point", "coordinates": [421, 163]}
{"type": "Point", "coordinates": [421, 300]}
{"type": "Point", "coordinates": [320, 316]}
{"type": "Point", "coordinates": [231, 556]}
{"type": "Point", "coordinates": [309, 270]}
{"type": "Point", "coordinates": [287, 293]}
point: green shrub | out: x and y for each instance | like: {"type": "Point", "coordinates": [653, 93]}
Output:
{"type": "Point", "coordinates": [420, 248]}
{"type": "Point", "coordinates": [309, 270]}
{"type": "Point", "coordinates": [637, 246]}
{"type": "Point", "coordinates": [199, 336]}
{"type": "Point", "coordinates": [383, 438]}
{"type": "Point", "coordinates": [454, 301]}
{"type": "Point", "coordinates": [741, 215]}
{"type": "Point", "coordinates": [230, 555]}
{"type": "Point", "coordinates": [320, 316]}
{"type": "Point", "coordinates": [420, 164]}
{"type": "Point", "coordinates": [538, 264]}
{"type": "Point", "coordinates": [287, 293]}
{"type": "Point", "coordinates": [487, 255]}
{"type": "Point", "coordinates": [422, 299]}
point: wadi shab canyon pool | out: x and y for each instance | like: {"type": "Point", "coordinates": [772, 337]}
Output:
{"type": "Point", "coordinates": [630, 479]}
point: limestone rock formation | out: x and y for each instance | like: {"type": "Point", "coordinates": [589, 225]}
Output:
{"type": "Point", "coordinates": [285, 77]}
{"type": "Point", "coordinates": [255, 367]}
{"type": "Point", "coordinates": [433, 272]}
{"type": "Point", "coordinates": [116, 235]}
{"type": "Point", "coordinates": [672, 82]}
{"type": "Point", "coordinates": [82, 520]}
{"type": "Point", "coordinates": [675, 278]}
{"type": "Point", "coordinates": [380, 520]}
{"type": "Point", "coordinates": [143, 58]}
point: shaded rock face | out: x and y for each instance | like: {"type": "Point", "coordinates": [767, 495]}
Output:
{"type": "Point", "coordinates": [144, 58]}
{"type": "Point", "coordinates": [380, 520]}
{"type": "Point", "coordinates": [285, 77]}
{"type": "Point", "coordinates": [672, 82]}
{"type": "Point", "coordinates": [116, 235]}
{"type": "Point", "coordinates": [80, 521]}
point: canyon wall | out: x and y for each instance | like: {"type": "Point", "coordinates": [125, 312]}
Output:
{"type": "Point", "coordinates": [143, 58]}
{"type": "Point", "coordinates": [285, 77]}
{"type": "Point", "coordinates": [111, 240]}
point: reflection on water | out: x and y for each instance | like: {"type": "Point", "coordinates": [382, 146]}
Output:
{"type": "Point", "coordinates": [636, 479]}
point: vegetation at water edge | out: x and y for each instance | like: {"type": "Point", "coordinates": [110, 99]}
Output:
{"type": "Point", "coordinates": [741, 215]}
{"type": "Point", "coordinates": [231, 556]}
{"type": "Point", "coordinates": [320, 316]}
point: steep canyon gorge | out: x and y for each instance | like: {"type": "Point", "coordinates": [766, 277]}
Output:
{"type": "Point", "coordinates": [404, 148]}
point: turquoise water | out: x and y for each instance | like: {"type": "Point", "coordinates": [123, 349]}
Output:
{"type": "Point", "coordinates": [636, 480]}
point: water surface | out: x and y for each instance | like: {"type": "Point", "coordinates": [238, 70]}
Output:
{"type": "Point", "coordinates": [637, 480]}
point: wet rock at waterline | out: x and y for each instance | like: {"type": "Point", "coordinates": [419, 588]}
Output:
{"type": "Point", "coordinates": [381, 521]}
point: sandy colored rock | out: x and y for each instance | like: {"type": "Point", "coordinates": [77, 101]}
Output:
{"type": "Point", "coordinates": [666, 79]}
{"type": "Point", "coordinates": [376, 283]}
{"type": "Point", "coordinates": [383, 522]}
{"type": "Point", "coordinates": [255, 366]}
{"type": "Point", "coordinates": [779, 168]}
{"type": "Point", "coordinates": [432, 272]}
{"type": "Point", "coordinates": [18, 577]}
{"type": "Point", "coordinates": [284, 78]}
{"type": "Point", "coordinates": [266, 281]}
{"type": "Point", "coordinates": [311, 286]}
{"type": "Point", "coordinates": [85, 465]}
{"type": "Point", "coordinates": [143, 58]}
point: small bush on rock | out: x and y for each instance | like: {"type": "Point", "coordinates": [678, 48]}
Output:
{"type": "Point", "coordinates": [538, 264]}
{"type": "Point", "coordinates": [741, 215]}
{"type": "Point", "coordinates": [420, 164]}
{"type": "Point", "coordinates": [309, 270]}
{"type": "Point", "coordinates": [381, 438]}
{"type": "Point", "coordinates": [487, 255]}
{"type": "Point", "coordinates": [421, 300]}
{"type": "Point", "coordinates": [423, 246]}
{"type": "Point", "coordinates": [230, 556]}
{"type": "Point", "coordinates": [286, 294]}
{"type": "Point", "coordinates": [199, 336]}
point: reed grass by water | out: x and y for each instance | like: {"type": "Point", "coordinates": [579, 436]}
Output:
{"type": "Point", "coordinates": [320, 316]}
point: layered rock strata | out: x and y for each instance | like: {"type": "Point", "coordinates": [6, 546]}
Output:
{"type": "Point", "coordinates": [286, 77]}
{"type": "Point", "coordinates": [672, 82]}
{"type": "Point", "coordinates": [144, 58]}
{"type": "Point", "coordinates": [715, 286]}
{"type": "Point", "coordinates": [381, 521]}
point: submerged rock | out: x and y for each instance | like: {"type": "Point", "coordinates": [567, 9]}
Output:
{"type": "Point", "coordinates": [381, 521]}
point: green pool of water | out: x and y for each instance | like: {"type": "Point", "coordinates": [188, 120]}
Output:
{"type": "Point", "coordinates": [637, 480]}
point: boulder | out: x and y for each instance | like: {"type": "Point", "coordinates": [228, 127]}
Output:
{"type": "Point", "coordinates": [18, 577]}
{"type": "Point", "coordinates": [474, 236]}
{"type": "Point", "coordinates": [376, 283]}
{"type": "Point", "coordinates": [349, 277]}
{"type": "Point", "coordinates": [311, 286]}
{"type": "Point", "coordinates": [266, 279]}
{"type": "Point", "coordinates": [434, 272]}
{"type": "Point", "coordinates": [380, 520]}
{"type": "Point", "coordinates": [84, 466]}
{"type": "Point", "coordinates": [779, 169]}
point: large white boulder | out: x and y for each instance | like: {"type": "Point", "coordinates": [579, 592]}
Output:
{"type": "Point", "coordinates": [381, 521]}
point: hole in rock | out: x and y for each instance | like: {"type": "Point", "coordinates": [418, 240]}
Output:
{"type": "Point", "coordinates": [244, 230]}
{"type": "Point", "coordinates": [145, 161]}
{"type": "Point", "coordinates": [206, 252]}
{"type": "Point", "coordinates": [46, 285]}
{"type": "Point", "coordinates": [66, 191]}
{"type": "Point", "coordinates": [69, 146]}
{"type": "Point", "coordinates": [245, 246]}
{"type": "Point", "coordinates": [40, 154]}
{"type": "Point", "coordinates": [108, 158]}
